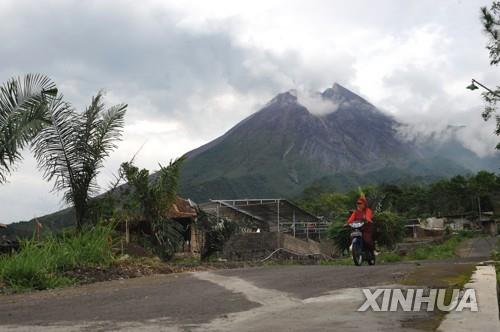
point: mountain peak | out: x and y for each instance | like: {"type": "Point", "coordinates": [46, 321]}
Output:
{"type": "Point", "coordinates": [338, 94]}
{"type": "Point", "coordinates": [285, 98]}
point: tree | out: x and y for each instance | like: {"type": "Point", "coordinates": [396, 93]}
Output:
{"type": "Point", "coordinates": [150, 198]}
{"type": "Point", "coordinates": [23, 113]}
{"type": "Point", "coordinates": [71, 149]}
{"type": "Point", "coordinates": [490, 18]}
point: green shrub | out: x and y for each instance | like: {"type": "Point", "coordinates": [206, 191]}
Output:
{"type": "Point", "coordinates": [340, 235]}
{"type": "Point", "coordinates": [39, 265]}
{"type": "Point", "coordinates": [389, 229]}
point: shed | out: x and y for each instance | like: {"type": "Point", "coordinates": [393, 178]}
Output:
{"type": "Point", "coordinates": [184, 212]}
{"type": "Point", "coordinates": [273, 215]}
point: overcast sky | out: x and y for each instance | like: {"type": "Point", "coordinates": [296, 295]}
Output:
{"type": "Point", "coordinates": [190, 70]}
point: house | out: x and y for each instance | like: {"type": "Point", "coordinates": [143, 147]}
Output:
{"type": "Point", "coordinates": [3, 225]}
{"type": "Point", "coordinates": [456, 222]}
{"type": "Point", "coordinates": [425, 228]}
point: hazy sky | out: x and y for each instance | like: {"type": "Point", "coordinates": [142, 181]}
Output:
{"type": "Point", "coordinates": [190, 70]}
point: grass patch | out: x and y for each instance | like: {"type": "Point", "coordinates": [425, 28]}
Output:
{"type": "Point", "coordinates": [440, 251]}
{"type": "Point", "coordinates": [338, 261]}
{"type": "Point", "coordinates": [389, 257]}
{"type": "Point", "coordinates": [40, 265]}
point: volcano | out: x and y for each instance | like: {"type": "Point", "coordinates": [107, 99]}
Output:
{"type": "Point", "coordinates": [285, 147]}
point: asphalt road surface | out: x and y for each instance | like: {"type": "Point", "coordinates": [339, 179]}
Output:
{"type": "Point", "coordinates": [277, 298]}
{"type": "Point", "coordinates": [291, 298]}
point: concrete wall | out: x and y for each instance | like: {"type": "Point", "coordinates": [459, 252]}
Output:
{"type": "Point", "coordinates": [256, 246]}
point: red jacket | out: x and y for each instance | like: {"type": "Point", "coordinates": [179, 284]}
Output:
{"type": "Point", "coordinates": [365, 214]}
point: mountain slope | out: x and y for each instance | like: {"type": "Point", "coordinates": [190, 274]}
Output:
{"type": "Point", "coordinates": [282, 148]}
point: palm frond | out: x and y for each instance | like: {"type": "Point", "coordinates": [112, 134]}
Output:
{"type": "Point", "coordinates": [168, 181]}
{"type": "Point", "coordinates": [102, 130]}
{"type": "Point", "coordinates": [23, 112]}
{"type": "Point", "coordinates": [56, 147]}
{"type": "Point", "coordinates": [72, 148]}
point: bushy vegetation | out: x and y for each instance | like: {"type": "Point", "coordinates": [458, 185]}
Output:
{"type": "Point", "coordinates": [388, 229]}
{"type": "Point", "coordinates": [148, 200]}
{"type": "Point", "coordinates": [41, 264]}
{"type": "Point", "coordinates": [216, 232]}
{"type": "Point", "coordinates": [457, 194]}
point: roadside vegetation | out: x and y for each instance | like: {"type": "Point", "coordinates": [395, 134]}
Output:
{"type": "Point", "coordinates": [495, 255]}
{"type": "Point", "coordinates": [42, 264]}
{"type": "Point", "coordinates": [447, 249]}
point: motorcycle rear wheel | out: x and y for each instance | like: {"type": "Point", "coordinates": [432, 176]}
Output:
{"type": "Point", "coordinates": [371, 259]}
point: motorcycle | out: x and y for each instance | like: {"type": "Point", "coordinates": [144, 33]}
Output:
{"type": "Point", "coordinates": [359, 251]}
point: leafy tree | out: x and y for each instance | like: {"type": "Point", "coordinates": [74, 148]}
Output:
{"type": "Point", "coordinates": [490, 18]}
{"type": "Point", "coordinates": [329, 205]}
{"type": "Point", "coordinates": [150, 200]}
{"type": "Point", "coordinates": [482, 186]}
{"type": "Point", "coordinates": [23, 113]}
{"type": "Point", "coordinates": [72, 147]}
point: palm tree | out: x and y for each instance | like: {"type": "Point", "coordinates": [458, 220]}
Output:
{"type": "Point", "coordinates": [23, 113]}
{"type": "Point", "coordinates": [71, 150]}
{"type": "Point", "coordinates": [150, 198]}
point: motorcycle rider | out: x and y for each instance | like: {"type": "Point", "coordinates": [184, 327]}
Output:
{"type": "Point", "coordinates": [364, 213]}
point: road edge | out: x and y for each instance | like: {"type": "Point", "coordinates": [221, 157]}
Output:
{"type": "Point", "coordinates": [484, 282]}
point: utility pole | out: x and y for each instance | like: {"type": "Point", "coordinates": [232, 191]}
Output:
{"type": "Point", "coordinates": [278, 208]}
{"type": "Point", "coordinates": [479, 209]}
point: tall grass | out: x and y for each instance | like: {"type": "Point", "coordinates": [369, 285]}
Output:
{"type": "Point", "coordinates": [444, 250]}
{"type": "Point", "coordinates": [40, 265]}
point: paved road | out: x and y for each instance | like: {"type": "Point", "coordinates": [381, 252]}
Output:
{"type": "Point", "coordinates": [478, 247]}
{"type": "Point", "coordinates": [279, 298]}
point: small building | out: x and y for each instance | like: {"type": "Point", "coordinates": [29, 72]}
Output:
{"type": "Point", "coordinates": [185, 213]}
{"type": "Point", "coordinates": [489, 223]}
{"type": "Point", "coordinates": [426, 228]}
{"type": "Point", "coordinates": [433, 223]}
{"type": "Point", "coordinates": [3, 225]}
{"type": "Point", "coordinates": [411, 227]}
{"type": "Point", "coordinates": [268, 215]}
{"type": "Point", "coordinates": [459, 221]}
